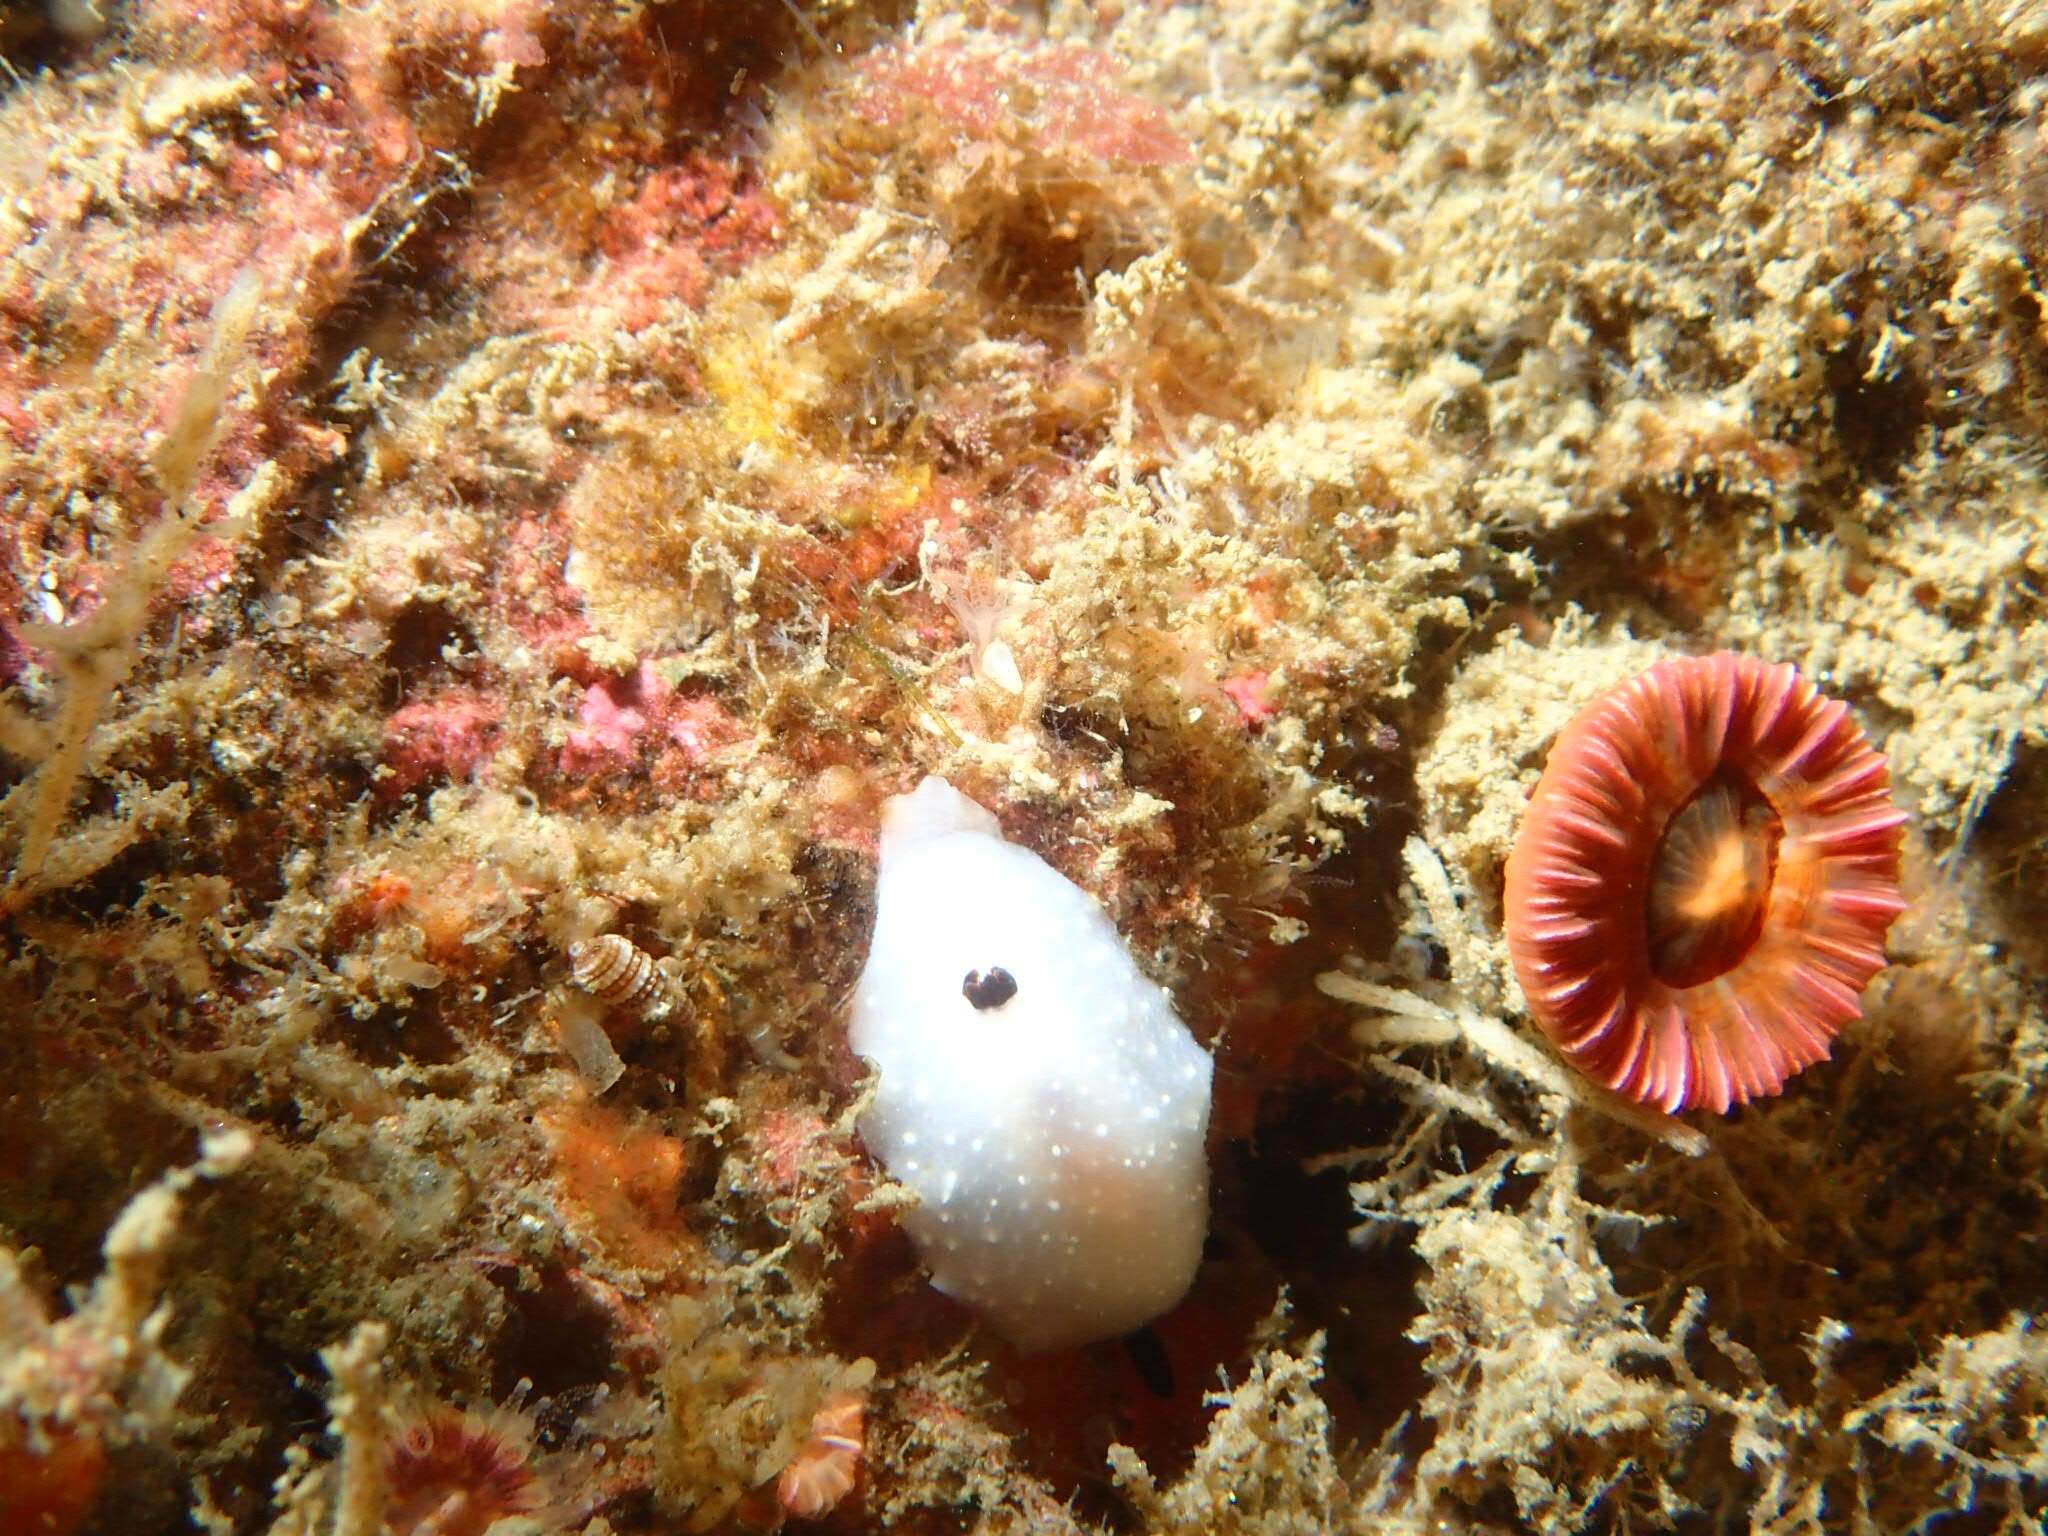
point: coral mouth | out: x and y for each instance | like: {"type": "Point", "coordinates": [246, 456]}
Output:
{"type": "Point", "coordinates": [1710, 881]}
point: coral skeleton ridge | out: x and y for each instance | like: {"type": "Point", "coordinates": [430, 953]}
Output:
{"type": "Point", "coordinates": [1051, 1126]}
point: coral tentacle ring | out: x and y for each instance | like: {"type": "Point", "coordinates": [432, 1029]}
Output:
{"type": "Point", "coordinates": [1702, 884]}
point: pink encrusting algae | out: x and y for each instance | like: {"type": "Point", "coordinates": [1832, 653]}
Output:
{"type": "Point", "coordinates": [447, 736]}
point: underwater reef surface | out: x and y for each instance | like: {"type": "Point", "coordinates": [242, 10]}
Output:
{"type": "Point", "coordinates": [497, 493]}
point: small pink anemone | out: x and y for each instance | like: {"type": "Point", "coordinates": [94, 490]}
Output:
{"type": "Point", "coordinates": [1701, 887]}
{"type": "Point", "coordinates": [827, 1465]}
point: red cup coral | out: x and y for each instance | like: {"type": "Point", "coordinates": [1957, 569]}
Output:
{"type": "Point", "coordinates": [449, 1472]}
{"type": "Point", "coordinates": [826, 1466]}
{"type": "Point", "coordinates": [1701, 887]}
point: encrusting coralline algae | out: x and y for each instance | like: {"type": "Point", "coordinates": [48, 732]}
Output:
{"type": "Point", "coordinates": [483, 480]}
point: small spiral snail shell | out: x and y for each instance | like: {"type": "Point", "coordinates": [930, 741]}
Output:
{"type": "Point", "coordinates": [621, 975]}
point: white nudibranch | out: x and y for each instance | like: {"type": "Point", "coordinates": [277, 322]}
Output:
{"type": "Point", "coordinates": [1036, 1091]}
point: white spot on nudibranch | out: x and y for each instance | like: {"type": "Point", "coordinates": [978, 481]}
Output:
{"type": "Point", "coordinates": [1092, 1203]}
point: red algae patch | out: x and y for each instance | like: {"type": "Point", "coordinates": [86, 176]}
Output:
{"type": "Point", "coordinates": [448, 735]}
{"type": "Point", "coordinates": [1701, 887]}
{"type": "Point", "coordinates": [1064, 99]}
{"type": "Point", "coordinates": [48, 1489]}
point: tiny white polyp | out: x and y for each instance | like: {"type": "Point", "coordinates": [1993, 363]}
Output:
{"type": "Point", "coordinates": [1054, 1137]}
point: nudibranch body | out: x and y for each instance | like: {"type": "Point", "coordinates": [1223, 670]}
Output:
{"type": "Point", "coordinates": [1036, 1091]}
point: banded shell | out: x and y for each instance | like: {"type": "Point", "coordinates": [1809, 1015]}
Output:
{"type": "Point", "coordinates": [621, 975]}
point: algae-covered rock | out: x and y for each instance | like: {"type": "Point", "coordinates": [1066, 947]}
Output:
{"type": "Point", "coordinates": [483, 480]}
